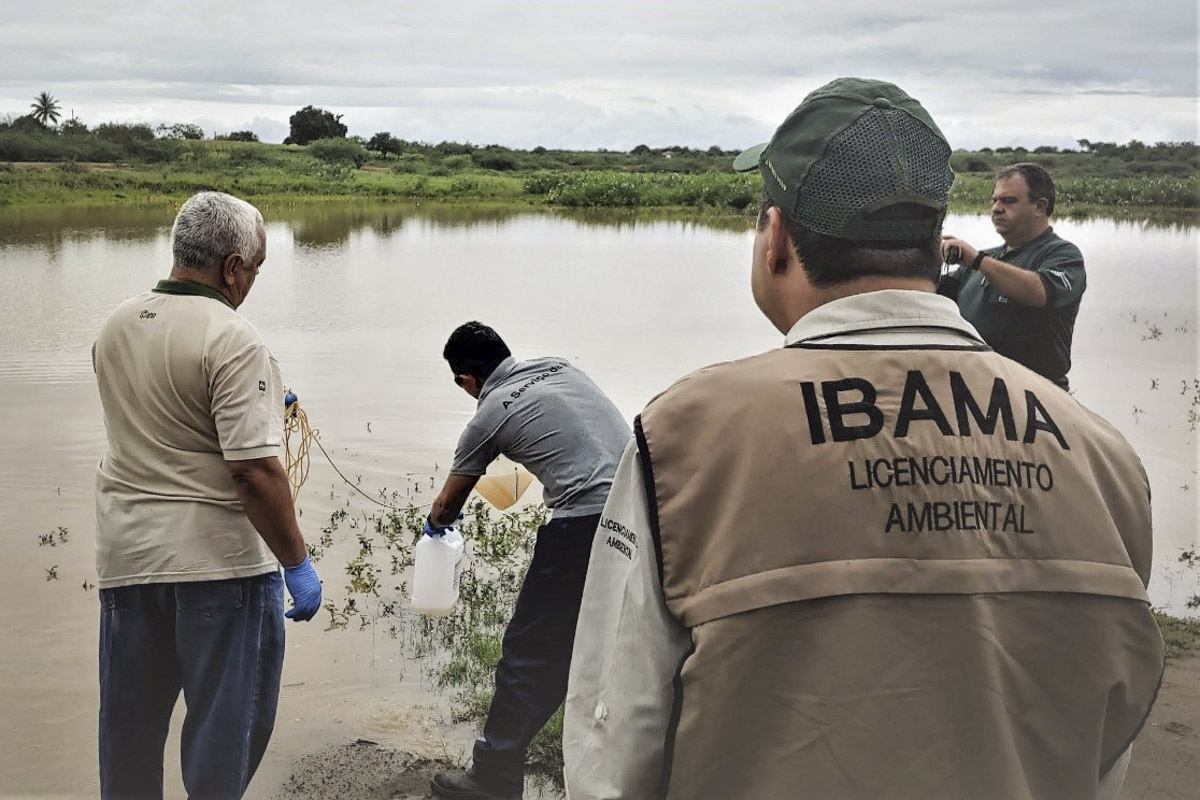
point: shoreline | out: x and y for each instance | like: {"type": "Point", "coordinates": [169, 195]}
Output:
{"type": "Point", "coordinates": [1165, 763]}
{"type": "Point", "coordinates": [281, 206]}
{"type": "Point", "coordinates": [719, 195]}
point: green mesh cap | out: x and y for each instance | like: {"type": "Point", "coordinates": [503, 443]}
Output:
{"type": "Point", "coordinates": [855, 146]}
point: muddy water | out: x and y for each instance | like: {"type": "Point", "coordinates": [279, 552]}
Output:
{"type": "Point", "coordinates": [356, 303]}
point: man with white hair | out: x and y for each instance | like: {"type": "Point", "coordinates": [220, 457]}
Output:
{"type": "Point", "coordinates": [194, 515]}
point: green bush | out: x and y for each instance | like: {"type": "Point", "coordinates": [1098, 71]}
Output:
{"type": "Point", "coordinates": [494, 161]}
{"type": "Point", "coordinates": [1166, 192]}
{"type": "Point", "coordinates": [457, 163]}
{"type": "Point", "coordinates": [338, 151]}
{"type": "Point", "coordinates": [156, 151]}
{"type": "Point", "coordinates": [408, 164]}
{"type": "Point", "coordinates": [237, 136]}
{"type": "Point", "coordinates": [454, 149]}
{"type": "Point", "coordinates": [632, 190]}
{"type": "Point", "coordinates": [124, 133]}
{"type": "Point", "coordinates": [1179, 635]}
{"type": "Point", "coordinates": [970, 162]}
{"type": "Point", "coordinates": [19, 146]}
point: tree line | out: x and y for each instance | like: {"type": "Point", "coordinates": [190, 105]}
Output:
{"type": "Point", "coordinates": [38, 136]}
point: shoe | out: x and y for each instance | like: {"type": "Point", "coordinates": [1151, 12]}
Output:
{"type": "Point", "coordinates": [465, 786]}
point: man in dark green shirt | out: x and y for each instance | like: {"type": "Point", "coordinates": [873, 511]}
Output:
{"type": "Point", "coordinates": [1023, 296]}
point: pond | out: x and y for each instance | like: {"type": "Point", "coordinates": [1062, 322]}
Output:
{"type": "Point", "coordinates": [356, 303]}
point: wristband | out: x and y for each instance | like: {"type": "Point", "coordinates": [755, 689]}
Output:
{"type": "Point", "coordinates": [975, 262]}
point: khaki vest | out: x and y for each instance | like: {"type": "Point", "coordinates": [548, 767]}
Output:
{"type": "Point", "coordinates": [909, 573]}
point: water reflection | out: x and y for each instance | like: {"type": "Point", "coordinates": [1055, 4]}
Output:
{"type": "Point", "coordinates": [330, 225]}
{"type": "Point", "coordinates": [50, 225]}
{"type": "Point", "coordinates": [1178, 220]}
{"type": "Point", "coordinates": [318, 225]}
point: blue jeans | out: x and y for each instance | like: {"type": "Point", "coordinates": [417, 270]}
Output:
{"type": "Point", "coordinates": [221, 643]}
{"type": "Point", "coordinates": [531, 678]}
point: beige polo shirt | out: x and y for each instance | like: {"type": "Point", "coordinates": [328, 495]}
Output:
{"type": "Point", "coordinates": [186, 384]}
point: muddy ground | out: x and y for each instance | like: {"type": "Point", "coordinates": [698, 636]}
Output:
{"type": "Point", "coordinates": [1165, 765]}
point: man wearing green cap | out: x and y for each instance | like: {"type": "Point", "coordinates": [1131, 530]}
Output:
{"type": "Point", "coordinates": [880, 561]}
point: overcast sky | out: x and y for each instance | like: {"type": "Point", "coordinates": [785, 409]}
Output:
{"type": "Point", "coordinates": [607, 73]}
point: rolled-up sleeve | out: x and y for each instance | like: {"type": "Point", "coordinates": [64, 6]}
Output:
{"type": "Point", "coordinates": [628, 652]}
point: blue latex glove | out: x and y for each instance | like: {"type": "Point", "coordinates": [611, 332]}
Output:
{"type": "Point", "coordinates": [305, 588]}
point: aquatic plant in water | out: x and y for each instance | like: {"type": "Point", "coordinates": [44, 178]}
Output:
{"type": "Point", "coordinates": [459, 651]}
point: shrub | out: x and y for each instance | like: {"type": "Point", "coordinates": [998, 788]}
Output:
{"type": "Point", "coordinates": [384, 144]}
{"type": "Point", "coordinates": [632, 190]}
{"type": "Point", "coordinates": [458, 651]}
{"type": "Point", "coordinates": [238, 136]}
{"type": "Point", "coordinates": [181, 130]}
{"type": "Point", "coordinates": [19, 146]}
{"type": "Point", "coordinates": [338, 151]}
{"type": "Point", "coordinates": [495, 161]}
{"type": "Point", "coordinates": [124, 133]}
{"type": "Point", "coordinates": [457, 163]}
{"type": "Point", "coordinates": [27, 124]}
{"type": "Point", "coordinates": [454, 149]}
{"type": "Point", "coordinates": [155, 152]}
{"type": "Point", "coordinates": [73, 127]}
{"type": "Point", "coordinates": [969, 162]}
{"type": "Point", "coordinates": [408, 164]}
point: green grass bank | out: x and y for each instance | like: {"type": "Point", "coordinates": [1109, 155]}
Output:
{"type": "Point", "coordinates": [696, 181]}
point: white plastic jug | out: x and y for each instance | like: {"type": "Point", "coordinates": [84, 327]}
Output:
{"type": "Point", "coordinates": [437, 568]}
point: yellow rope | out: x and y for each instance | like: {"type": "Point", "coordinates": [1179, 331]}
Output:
{"type": "Point", "coordinates": [295, 426]}
{"type": "Point", "coordinates": [296, 459]}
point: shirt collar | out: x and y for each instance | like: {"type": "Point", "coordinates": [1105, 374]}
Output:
{"type": "Point", "coordinates": [884, 309]}
{"type": "Point", "coordinates": [1046, 234]}
{"type": "Point", "coordinates": [168, 286]}
{"type": "Point", "coordinates": [502, 371]}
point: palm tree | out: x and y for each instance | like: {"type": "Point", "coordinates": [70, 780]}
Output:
{"type": "Point", "coordinates": [45, 108]}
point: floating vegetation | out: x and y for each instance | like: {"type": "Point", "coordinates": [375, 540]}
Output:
{"type": "Point", "coordinates": [1193, 412]}
{"type": "Point", "coordinates": [459, 651]}
{"type": "Point", "coordinates": [54, 538]}
{"type": "Point", "coordinates": [1191, 558]}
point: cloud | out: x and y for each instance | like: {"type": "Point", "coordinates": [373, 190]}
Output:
{"type": "Point", "coordinates": [574, 74]}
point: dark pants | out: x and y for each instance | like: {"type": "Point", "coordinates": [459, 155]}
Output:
{"type": "Point", "coordinates": [531, 678]}
{"type": "Point", "coordinates": [221, 643]}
